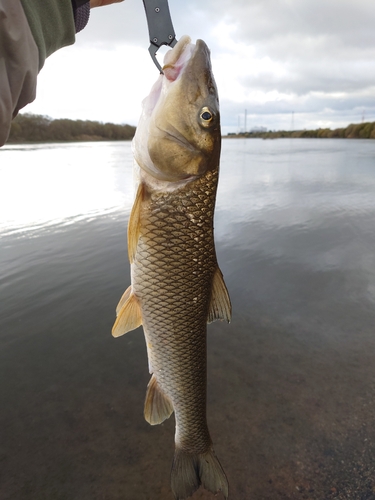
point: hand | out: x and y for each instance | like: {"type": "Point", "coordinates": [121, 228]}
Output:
{"type": "Point", "coordinates": [100, 3]}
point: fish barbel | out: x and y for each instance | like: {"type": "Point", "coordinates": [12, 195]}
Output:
{"type": "Point", "coordinates": [176, 284]}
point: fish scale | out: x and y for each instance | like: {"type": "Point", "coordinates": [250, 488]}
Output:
{"type": "Point", "coordinates": [174, 290]}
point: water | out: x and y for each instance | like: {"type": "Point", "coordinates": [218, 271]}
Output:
{"type": "Point", "coordinates": [292, 378]}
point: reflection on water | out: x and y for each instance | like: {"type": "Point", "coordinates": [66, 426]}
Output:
{"type": "Point", "coordinates": [285, 184]}
{"type": "Point", "coordinates": [291, 380]}
{"type": "Point", "coordinates": [56, 184]}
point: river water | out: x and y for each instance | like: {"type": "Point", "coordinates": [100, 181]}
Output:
{"type": "Point", "coordinates": [291, 381]}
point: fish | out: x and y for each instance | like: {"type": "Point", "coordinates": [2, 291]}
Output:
{"type": "Point", "coordinates": [176, 284]}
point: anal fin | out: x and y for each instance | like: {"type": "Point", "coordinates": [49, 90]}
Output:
{"type": "Point", "coordinates": [158, 407]}
{"type": "Point", "coordinates": [220, 306]}
{"type": "Point", "coordinates": [129, 317]}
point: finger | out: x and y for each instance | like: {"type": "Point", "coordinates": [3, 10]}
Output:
{"type": "Point", "coordinates": [101, 3]}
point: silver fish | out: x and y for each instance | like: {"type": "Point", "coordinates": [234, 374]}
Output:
{"type": "Point", "coordinates": [176, 284]}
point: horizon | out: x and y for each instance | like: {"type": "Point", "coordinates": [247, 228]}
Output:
{"type": "Point", "coordinates": [254, 129]}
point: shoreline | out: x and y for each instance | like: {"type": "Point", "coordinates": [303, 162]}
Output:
{"type": "Point", "coordinates": [37, 129]}
{"type": "Point", "coordinates": [364, 130]}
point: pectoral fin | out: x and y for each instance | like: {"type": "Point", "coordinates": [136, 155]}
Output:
{"type": "Point", "coordinates": [220, 306]}
{"type": "Point", "coordinates": [129, 317]}
{"type": "Point", "coordinates": [134, 224]}
{"type": "Point", "coordinates": [158, 407]}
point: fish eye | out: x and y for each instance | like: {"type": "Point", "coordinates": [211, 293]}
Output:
{"type": "Point", "coordinates": [206, 116]}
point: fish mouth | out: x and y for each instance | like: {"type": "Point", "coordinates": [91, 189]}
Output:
{"type": "Point", "coordinates": [176, 60]}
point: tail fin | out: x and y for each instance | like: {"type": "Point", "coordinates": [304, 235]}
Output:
{"type": "Point", "coordinates": [190, 471]}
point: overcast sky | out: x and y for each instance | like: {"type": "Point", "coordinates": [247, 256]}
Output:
{"type": "Point", "coordinates": [289, 63]}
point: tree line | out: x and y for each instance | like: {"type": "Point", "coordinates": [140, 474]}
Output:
{"type": "Point", "coordinates": [28, 127]}
{"type": "Point", "coordinates": [352, 131]}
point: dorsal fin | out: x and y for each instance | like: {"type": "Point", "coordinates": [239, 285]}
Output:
{"type": "Point", "coordinates": [220, 306]}
{"type": "Point", "coordinates": [134, 224]}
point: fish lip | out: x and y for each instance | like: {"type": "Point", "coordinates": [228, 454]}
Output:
{"type": "Point", "coordinates": [172, 56]}
{"type": "Point", "coordinates": [199, 46]}
{"type": "Point", "coordinates": [176, 66]}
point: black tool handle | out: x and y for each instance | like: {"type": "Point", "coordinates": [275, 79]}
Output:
{"type": "Point", "coordinates": [159, 22]}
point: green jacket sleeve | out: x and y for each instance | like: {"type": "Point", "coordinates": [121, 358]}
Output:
{"type": "Point", "coordinates": [30, 30]}
{"type": "Point", "coordinates": [19, 61]}
{"type": "Point", "coordinates": [51, 23]}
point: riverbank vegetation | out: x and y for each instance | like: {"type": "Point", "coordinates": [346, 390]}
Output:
{"type": "Point", "coordinates": [38, 128]}
{"type": "Point", "coordinates": [352, 131]}
{"type": "Point", "coordinates": [28, 127]}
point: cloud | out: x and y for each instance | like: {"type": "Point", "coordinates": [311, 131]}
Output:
{"type": "Point", "coordinates": [266, 23]}
{"type": "Point", "coordinates": [312, 57]}
{"type": "Point", "coordinates": [315, 76]}
{"type": "Point", "coordinates": [114, 25]}
{"type": "Point", "coordinates": [315, 58]}
{"type": "Point", "coordinates": [103, 85]}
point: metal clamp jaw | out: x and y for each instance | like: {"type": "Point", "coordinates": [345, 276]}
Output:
{"type": "Point", "coordinates": [160, 27]}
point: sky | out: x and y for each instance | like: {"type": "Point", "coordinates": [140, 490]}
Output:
{"type": "Point", "coordinates": [284, 64]}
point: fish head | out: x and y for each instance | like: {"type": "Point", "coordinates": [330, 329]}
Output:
{"type": "Point", "coordinates": [181, 117]}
